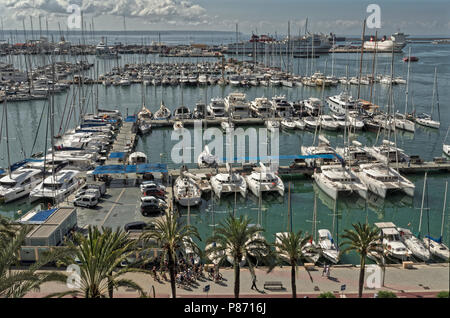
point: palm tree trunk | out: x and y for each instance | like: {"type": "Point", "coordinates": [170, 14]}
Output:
{"type": "Point", "coordinates": [237, 274]}
{"type": "Point", "coordinates": [110, 288]}
{"type": "Point", "coordinates": [361, 275]}
{"type": "Point", "coordinates": [293, 284]}
{"type": "Point", "coordinates": [172, 274]}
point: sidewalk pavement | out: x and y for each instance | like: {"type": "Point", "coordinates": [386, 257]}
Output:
{"type": "Point", "coordinates": [420, 281]}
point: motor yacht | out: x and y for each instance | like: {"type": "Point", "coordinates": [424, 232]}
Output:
{"type": "Point", "coordinates": [19, 184]}
{"type": "Point", "coordinates": [56, 188]}
{"type": "Point", "coordinates": [216, 107]}
{"type": "Point", "coordinates": [394, 248]}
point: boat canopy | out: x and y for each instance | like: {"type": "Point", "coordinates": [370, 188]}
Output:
{"type": "Point", "coordinates": [439, 240]}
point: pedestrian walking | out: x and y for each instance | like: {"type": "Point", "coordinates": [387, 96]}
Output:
{"type": "Point", "coordinates": [328, 271]}
{"type": "Point", "coordinates": [254, 283]}
{"type": "Point", "coordinates": [324, 270]}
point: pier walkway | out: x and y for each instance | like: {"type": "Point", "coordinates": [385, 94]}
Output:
{"type": "Point", "coordinates": [418, 282]}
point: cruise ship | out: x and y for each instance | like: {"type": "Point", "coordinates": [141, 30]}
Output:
{"type": "Point", "coordinates": [298, 45]}
{"type": "Point", "coordinates": [396, 41]}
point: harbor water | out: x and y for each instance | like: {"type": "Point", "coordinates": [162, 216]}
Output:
{"type": "Point", "coordinates": [273, 213]}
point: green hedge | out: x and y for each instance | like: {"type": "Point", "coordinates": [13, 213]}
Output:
{"type": "Point", "coordinates": [386, 294]}
{"type": "Point", "coordinates": [442, 294]}
{"type": "Point", "coordinates": [327, 295]}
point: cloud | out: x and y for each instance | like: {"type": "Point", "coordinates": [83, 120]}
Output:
{"type": "Point", "coordinates": [153, 11]}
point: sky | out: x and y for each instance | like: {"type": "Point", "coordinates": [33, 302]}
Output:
{"type": "Point", "coordinates": [343, 17]}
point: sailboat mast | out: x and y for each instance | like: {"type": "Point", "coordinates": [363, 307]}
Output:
{"type": "Point", "coordinates": [444, 208]}
{"type": "Point", "coordinates": [407, 81]}
{"type": "Point", "coordinates": [5, 109]}
{"type": "Point", "coordinates": [361, 58]}
{"type": "Point", "coordinates": [423, 200]}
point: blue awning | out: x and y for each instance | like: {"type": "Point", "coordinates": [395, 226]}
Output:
{"type": "Point", "coordinates": [131, 119]}
{"type": "Point", "coordinates": [117, 155]}
{"type": "Point", "coordinates": [141, 168]}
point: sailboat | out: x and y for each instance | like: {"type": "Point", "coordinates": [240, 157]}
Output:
{"type": "Point", "coordinates": [445, 146]}
{"type": "Point", "coordinates": [229, 182]}
{"type": "Point", "coordinates": [144, 117]}
{"type": "Point", "coordinates": [311, 251]}
{"type": "Point", "coordinates": [163, 112]}
{"type": "Point", "coordinates": [206, 159]}
{"type": "Point", "coordinates": [436, 246]}
{"type": "Point", "coordinates": [328, 246]}
{"type": "Point", "coordinates": [19, 183]}
{"type": "Point", "coordinates": [425, 119]}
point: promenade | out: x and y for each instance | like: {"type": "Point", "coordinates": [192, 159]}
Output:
{"type": "Point", "coordinates": [419, 281]}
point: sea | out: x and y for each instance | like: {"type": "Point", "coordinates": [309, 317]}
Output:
{"type": "Point", "coordinates": [273, 213]}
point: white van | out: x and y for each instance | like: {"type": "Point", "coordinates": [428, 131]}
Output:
{"type": "Point", "coordinates": [86, 200]}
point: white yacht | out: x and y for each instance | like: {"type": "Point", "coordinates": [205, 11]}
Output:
{"type": "Point", "coordinates": [144, 117]}
{"type": "Point", "coordinates": [313, 106]}
{"type": "Point", "coordinates": [288, 124]}
{"type": "Point", "coordinates": [300, 124]}
{"type": "Point", "coordinates": [186, 191]}
{"type": "Point", "coordinates": [228, 183]}
{"type": "Point", "coordinates": [162, 113]}
{"type": "Point", "coordinates": [264, 181]}
{"type": "Point", "coordinates": [19, 184]}
{"type": "Point", "coordinates": [328, 123]}
{"type": "Point", "coordinates": [446, 149]}
{"type": "Point", "coordinates": [272, 125]}
{"type": "Point", "coordinates": [354, 153]}
{"type": "Point", "coordinates": [261, 107]}
{"type": "Point", "coordinates": [342, 103]}
{"type": "Point", "coordinates": [328, 246]}
{"type": "Point", "coordinates": [416, 246]}
{"type": "Point", "coordinates": [203, 80]}
{"type": "Point", "coordinates": [137, 158]}
{"type": "Point", "coordinates": [337, 181]}
{"type": "Point", "coordinates": [56, 188]}
{"type": "Point", "coordinates": [178, 125]}
{"type": "Point", "coordinates": [311, 122]}
{"type": "Point", "coordinates": [206, 159]}
{"type": "Point", "coordinates": [237, 106]}
{"type": "Point", "coordinates": [214, 256]}
{"type": "Point", "coordinates": [323, 148]}
{"type": "Point", "coordinates": [427, 121]}
{"type": "Point", "coordinates": [393, 246]}
{"type": "Point", "coordinates": [437, 248]}
{"type": "Point", "coordinates": [182, 112]}
{"type": "Point", "coordinates": [401, 122]}
{"type": "Point", "coordinates": [355, 120]}
{"type": "Point", "coordinates": [387, 152]}
{"type": "Point", "coordinates": [216, 108]}
{"type": "Point", "coordinates": [281, 107]}
{"type": "Point", "coordinates": [381, 179]}
{"type": "Point", "coordinates": [227, 126]}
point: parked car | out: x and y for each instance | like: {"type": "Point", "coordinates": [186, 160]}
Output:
{"type": "Point", "coordinates": [88, 191]}
{"type": "Point", "coordinates": [87, 200]}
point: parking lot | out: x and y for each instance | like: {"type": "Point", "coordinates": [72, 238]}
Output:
{"type": "Point", "coordinates": [116, 208]}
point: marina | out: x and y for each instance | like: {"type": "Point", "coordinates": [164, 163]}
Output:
{"type": "Point", "coordinates": [97, 114]}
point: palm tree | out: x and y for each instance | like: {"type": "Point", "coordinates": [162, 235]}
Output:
{"type": "Point", "coordinates": [98, 256]}
{"type": "Point", "coordinates": [236, 238]}
{"type": "Point", "coordinates": [171, 235]}
{"type": "Point", "coordinates": [17, 283]}
{"type": "Point", "coordinates": [289, 247]}
{"type": "Point", "coordinates": [363, 240]}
